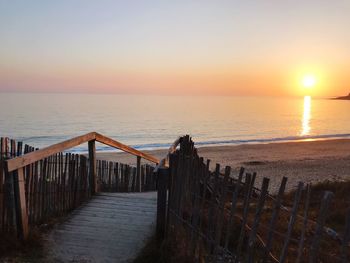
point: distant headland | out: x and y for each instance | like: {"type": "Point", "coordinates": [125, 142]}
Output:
{"type": "Point", "coordinates": [342, 98]}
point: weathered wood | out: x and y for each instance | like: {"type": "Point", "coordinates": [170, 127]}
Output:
{"type": "Point", "coordinates": [10, 152]}
{"type": "Point", "coordinates": [116, 173]}
{"type": "Point", "coordinates": [276, 210]}
{"type": "Point", "coordinates": [134, 177]}
{"type": "Point", "coordinates": [163, 175]}
{"type": "Point", "coordinates": [92, 164]}
{"type": "Point", "coordinates": [199, 175]}
{"type": "Point", "coordinates": [104, 234]}
{"type": "Point", "coordinates": [246, 203]}
{"type": "Point", "coordinates": [291, 222]}
{"type": "Point", "coordinates": [32, 157]}
{"type": "Point", "coordinates": [304, 227]}
{"type": "Point", "coordinates": [110, 171]}
{"type": "Point", "coordinates": [21, 206]}
{"type": "Point", "coordinates": [165, 161]}
{"type": "Point", "coordinates": [138, 173]}
{"type": "Point", "coordinates": [238, 187]}
{"type": "Point", "coordinates": [218, 230]}
{"type": "Point", "coordinates": [212, 209]}
{"type": "Point", "coordinates": [254, 230]}
{"type": "Point", "coordinates": [1, 191]}
{"type": "Point", "coordinates": [205, 179]}
{"type": "Point", "coordinates": [115, 144]}
{"type": "Point", "coordinates": [15, 163]}
{"type": "Point", "coordinates": [319, 227]}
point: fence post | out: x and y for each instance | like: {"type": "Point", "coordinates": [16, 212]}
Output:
{"type": "Point", "coordinates": [138, 173]}
{"type": "Point", "coordinates": [20, 203]}
{"type": "Point", "coordinates": [92, 163]}
{"type": "Point", "coordinates": [163, 174]}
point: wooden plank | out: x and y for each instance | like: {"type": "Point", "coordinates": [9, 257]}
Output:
{"type": "Point", "coordinates": [117, 177]}
{"type": "Point", "coordinates": [1, 189]}
{"type": "Point", "coordinates": [235, 194]}
{"type": "Point", "coordinates": [138, 173]}
{"type": "Point", "coordinates": [162, 202]}
{"type": "Point", "coordinates": [143, 177]}
{"type": "Point", "coordinates": [110, 171]}
{"type": "Point", "coordinates": [246, 203]}
{"type": "Point", "coordinates": [118, 238]}
{"type": "Point", "coordinates": [92, 166]}
{"type": "Point", "coordinates": [276, 210]}
{"type": "Point", "coordinates": [133, 186]}
{"type": "Point", "coordinates": [205, 180]}
{"type": "Point", "coordinates": [10, 199]}
{"type": "Point", "coordinates": [64, 183]}
{"type": "Point", "coordinates": [127, 178]}
{"type": "Point", "coordinates": [18, 162]}
{"type": "Point", "coordinates": [221, 206]}
{"type": "Point", "coordinates": [2, 184]}
{"type": "Point", "coordinates": [304, 227]}
{"type": "Point", "coordinates": [21, 207]}
{"type": "Point", "coordinates": [36, 191]}
{"type": "Point", "coordinates": [254, 230]}
{"type": "Point", "coordinates": [199, 171]}
{"type": "Point", "coordinates": [291, 222]}
{"type": "Point", "coordinates": [212, 208]}
{"type": "Point", "coordinates": [321, 220]}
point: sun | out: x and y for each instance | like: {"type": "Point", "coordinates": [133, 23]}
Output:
{"type": "Point", "coordinates": [309, 81]}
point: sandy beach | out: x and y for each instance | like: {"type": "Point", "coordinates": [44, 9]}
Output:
{"type": "Point", "coordinates": [307, 161]}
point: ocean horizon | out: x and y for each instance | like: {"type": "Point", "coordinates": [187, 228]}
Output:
{"type": "Point", "coordinates": [148, 122]}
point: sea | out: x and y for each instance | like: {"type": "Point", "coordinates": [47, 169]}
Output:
{"type": "Point", "coordinates": [154, 122]}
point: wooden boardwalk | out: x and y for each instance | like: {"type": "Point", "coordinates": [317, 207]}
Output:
{"type": "Point", "coordinates": [112, 227]}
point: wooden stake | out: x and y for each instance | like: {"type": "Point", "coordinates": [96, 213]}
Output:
{"type": "Point", "coordinates": [163, 174]}
{"type": "Point", "coordinates": [93, 171]}
{"type": "Point", "coordinates": [20, 204]}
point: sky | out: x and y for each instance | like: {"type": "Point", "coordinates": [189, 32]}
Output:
{"type": "Point", "coordinates": [242, 48]}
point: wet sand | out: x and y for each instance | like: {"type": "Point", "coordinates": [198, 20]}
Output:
{"type": "Point", "coordinates": [307, 161]}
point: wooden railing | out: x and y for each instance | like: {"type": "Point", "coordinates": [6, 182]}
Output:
{"type": "Point", "coordinates": [164, 163]}
{"type": "Point", "coordinates": [18, 165]}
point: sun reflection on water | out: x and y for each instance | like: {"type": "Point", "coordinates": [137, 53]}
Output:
{"type": "Point", "coordinates": [305, 126]}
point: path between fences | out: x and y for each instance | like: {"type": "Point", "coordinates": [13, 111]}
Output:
{"type": "Point", "coordinates": [112, 227]}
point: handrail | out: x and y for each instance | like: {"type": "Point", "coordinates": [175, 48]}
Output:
{"type": "Point", "coordinates": [19, 163]}
{"type": "Point", "coordinates": [165, 161]}
{"type": "Point", "coordinates": [115, 144]}
{"type": "Point", "coordinates": [32, 157]}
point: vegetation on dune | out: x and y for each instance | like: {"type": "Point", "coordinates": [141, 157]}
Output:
{"type": "Point", "coordinates": [175, 250]}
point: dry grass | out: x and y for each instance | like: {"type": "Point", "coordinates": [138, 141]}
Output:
{"type": "Point", "coordinates": [13, 250]}
{"type": "Point", "coordinates": [172, 250]}
{"type": "Point", "coordinates": [31, 250]}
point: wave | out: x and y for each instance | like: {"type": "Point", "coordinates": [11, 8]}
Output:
{"type": "Point", "coordinates": [277, 139]}
{"type": "Point", "coordinates": [158, 146]}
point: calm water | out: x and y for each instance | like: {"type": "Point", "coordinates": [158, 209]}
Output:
{"type": "Point", "coordinates": [155, 121]}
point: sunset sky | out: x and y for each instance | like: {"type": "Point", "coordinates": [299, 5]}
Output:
{"type": "Point", "coordinates": [175, 47]}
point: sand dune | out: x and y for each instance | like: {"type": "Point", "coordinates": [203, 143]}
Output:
{"type": "Point", "coordinates": [308, 161]}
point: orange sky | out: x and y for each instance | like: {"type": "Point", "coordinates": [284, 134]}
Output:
{"type": "Point", "coordinates": [225, 48]}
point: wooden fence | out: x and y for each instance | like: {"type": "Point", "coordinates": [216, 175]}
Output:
{"type": "Point", "coordinates": [118, 177]}
{"type": "Point", "coordinates": [214, 216]}
{"type": "Point", "coordinates": [50, 183]}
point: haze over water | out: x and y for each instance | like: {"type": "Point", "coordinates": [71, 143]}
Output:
{"type": "Point", "coordinates": [150, 122]}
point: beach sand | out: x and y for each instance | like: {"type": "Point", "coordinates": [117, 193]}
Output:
{"type": "Point", "coordinates": [307, 161]}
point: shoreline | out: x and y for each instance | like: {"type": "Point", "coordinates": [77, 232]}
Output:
{"type": "Point", "coordinates": [230, 143]}
{"type": "Point", "coordinates": [308, 161]}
